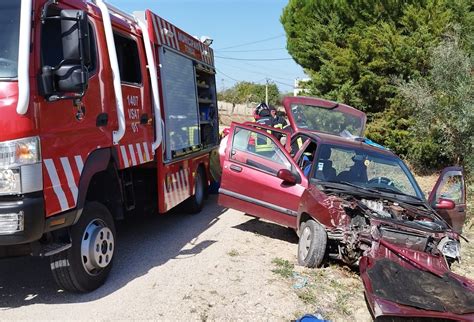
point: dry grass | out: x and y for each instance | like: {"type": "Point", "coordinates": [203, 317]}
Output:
{"type": "Point", "coordinates": [226, 119]}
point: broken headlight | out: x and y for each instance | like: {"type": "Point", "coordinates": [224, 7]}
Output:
{"type": "Point", "coordinates": [449, 248]}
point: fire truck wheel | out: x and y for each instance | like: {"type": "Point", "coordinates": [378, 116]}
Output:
{"type": "Point", "coordinates": [312, 244]}
{"type": "Point", "coordinates": [85, 266]}
{"type": "Point", "coordinates": [196, 201]}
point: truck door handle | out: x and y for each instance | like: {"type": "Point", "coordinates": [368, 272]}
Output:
{"type": "Point", "coordinates": [235, 168]}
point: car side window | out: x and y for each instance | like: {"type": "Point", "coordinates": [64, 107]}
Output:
{"type": "Point", "coordinates": [258, 151]}
{"type": "Point", "coordinates": [452, 188]}
{"type": "Point", "coordinates": [305, 160]}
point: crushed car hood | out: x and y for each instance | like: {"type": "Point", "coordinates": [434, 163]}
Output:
{"type": "Point", "coordinates": [405, 282]}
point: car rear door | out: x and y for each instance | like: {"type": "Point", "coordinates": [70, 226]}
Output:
{"type": "Point", "coordinates": [451, 186]}
{"type": "Point", "coordinates": [249, 176]}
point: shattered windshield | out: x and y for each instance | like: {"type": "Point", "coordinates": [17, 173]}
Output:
{"type": "Point", "coordinates": [364, 168]}
{"type": "Point", "coordinates": [9, 35]}
{"type": "Point", "coordinates": [328, 120]}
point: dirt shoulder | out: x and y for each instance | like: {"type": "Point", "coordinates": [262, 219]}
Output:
{"type": "Point", "coordinates": [217, 265]}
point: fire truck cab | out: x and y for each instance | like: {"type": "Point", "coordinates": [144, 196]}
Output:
{"type": "Point", "coordinates": [103, 115]}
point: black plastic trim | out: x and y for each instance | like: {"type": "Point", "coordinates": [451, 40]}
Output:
{"type": "Point", "coordinates": [32, 205]}
{"type": "Point", "coordinates": [257, 202]}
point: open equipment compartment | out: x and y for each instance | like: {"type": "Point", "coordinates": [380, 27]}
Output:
{"type": "Point", "coordinates": [187, 84]}
{"type": "Point", "coordinates": [207, 100]}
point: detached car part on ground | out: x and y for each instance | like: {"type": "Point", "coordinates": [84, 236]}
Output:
{"type": "Point", "coordinates": [353, 201]}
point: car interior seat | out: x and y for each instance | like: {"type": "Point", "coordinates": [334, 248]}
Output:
{"type": "Point", "coordinates": [356, 173]}
{"type": "Point", "coordinates": [325, 170]}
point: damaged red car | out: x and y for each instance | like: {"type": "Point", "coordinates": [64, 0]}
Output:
{"type": "Point", "coordinates": [350, 199]}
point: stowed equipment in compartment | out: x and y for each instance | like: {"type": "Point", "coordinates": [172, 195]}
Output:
{"type": "Point", "coordinates": [207, 100]}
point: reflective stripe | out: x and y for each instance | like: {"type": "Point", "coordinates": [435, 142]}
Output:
{"type": "Point", "coordinates": [140, 154]}
{"type": "Point", "coordinates": [184, 193]}
{"type": "Point", "coordinates": [132, 154]}
{"type": "Point", "coordinates": [58, 190]}
{"type": "Point", "coordinates": [147, 153]}
{"type": "Point", "coordinates": [157, 34]}
{"type": "Point", "coordinates": [124, 156]}
{"type": "Point", "coordinates": [175, 190]}
{"type": "Point", "coordinates": [70, 178]}
{"type": "Point", "coordinates": [79, 163]}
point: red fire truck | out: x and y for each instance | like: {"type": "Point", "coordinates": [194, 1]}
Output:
{"type": "Point", "coordinates": [103, 115]}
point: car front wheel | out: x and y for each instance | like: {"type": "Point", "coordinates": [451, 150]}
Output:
{"type": "Point", "coordinates": [312, 244]}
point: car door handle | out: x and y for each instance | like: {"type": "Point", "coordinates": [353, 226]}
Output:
{"type": "Point", "coordinates": [236, 168]}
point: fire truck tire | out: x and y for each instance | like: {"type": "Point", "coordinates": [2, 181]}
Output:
{"type": "Point", "coordinates": [312, 244]}
{"type": "Point", "coordinates": [85, 266]}
{"type": "Point", "coordinates": [196, 202]}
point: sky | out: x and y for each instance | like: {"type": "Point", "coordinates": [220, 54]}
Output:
{"type": "Point", "coordinates": [246, 34]}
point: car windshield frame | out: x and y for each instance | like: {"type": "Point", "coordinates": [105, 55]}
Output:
{"type": "Point", "coordinates": [9, 38]}
{"type": "Point", "coordinates": [334, 120]}
{"type": "Point", "coordinates": [372, 156]}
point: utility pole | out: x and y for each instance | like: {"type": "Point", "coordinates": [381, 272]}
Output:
{"type": "Point", "coordinates": [266, 92]}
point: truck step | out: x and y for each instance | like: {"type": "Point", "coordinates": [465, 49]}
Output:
{"type": "Point", "coordinates": [128, 189]}
{"type": "Point", "coordinates": [52, 249]}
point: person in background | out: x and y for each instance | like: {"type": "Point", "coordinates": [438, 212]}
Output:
{"type": "Point", "coordinates": [262, 115]}
{"type": "Point", "coordinates": [278, 121]}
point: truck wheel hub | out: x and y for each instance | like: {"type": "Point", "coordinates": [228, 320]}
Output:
{"type": "Point", "coordinates": [97, 247]}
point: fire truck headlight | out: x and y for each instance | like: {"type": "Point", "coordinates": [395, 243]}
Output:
{"type": "Point", "coordinates": [10, 181]}
{"type": "Point", "coordinates": [20, 160]}
{"type": "Point", "coordinates": [19, 152]}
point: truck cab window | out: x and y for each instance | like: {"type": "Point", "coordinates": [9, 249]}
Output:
{"type": "Point", "coordinates": [51, 43]}
{"type": "Point", "coordinates": [128, 59]}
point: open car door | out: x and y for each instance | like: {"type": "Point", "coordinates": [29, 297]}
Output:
{"type": "Point", "coordinates": [315, 114]}
{"type": "Point", "coordinates": [259, 177]}
{"type": "Point", "coordinates": [448, 197]}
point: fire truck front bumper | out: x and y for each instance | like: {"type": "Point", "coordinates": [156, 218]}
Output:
{"type": "Point", "coordinates": [22, 219]}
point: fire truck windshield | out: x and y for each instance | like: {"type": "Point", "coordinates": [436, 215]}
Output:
{"type": "Point", "coordinates": [9, 37]}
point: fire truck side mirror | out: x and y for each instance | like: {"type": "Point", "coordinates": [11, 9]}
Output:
{"type": "Point", "coordinates": [71, 75]}
{"type": "Point", "coordinates": [75, 36]}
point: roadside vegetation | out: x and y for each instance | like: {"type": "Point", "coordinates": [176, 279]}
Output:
{"type": "Point", "coordinates": [407, 64]}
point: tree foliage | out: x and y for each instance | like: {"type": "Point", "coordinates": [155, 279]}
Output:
{"type": "Point", "coordinates": [246, 92]}
{"type": "Point", "coordinates": [355, 50]}
{"type": "Point", "coordinates": [443, 106]}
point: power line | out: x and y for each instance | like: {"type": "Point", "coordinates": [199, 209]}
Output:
{"type": "Point", "coordinates": [259, 66]}
{"type": "Point", "coordinates": [271, 79]}
{"type": "Point", "coordinates": [231, 78]}
{"type": "Point", "coordinates": [292, 86]}
{"type": "Point", "coordinates": [250, 51]}
{"type": "Point", "coordinates": [253, 42]}
{"type": "Point", "coordinates": [253, 59]}
{"type": "Point", "coordinates": [255, 72]}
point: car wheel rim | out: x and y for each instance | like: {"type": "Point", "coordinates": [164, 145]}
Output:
{"type": "Point", "coordinates": [305, 242]}
{"type": "Point", "coordinates": [97, 247]}
{"type": "Point", "coordinates": [199, 188]}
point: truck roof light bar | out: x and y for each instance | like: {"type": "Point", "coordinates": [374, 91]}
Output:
{"type": "Point", "coordinates": [141, 20]}
{"type": "Point", "coordinates": [24, 57]}
{"type": "Point", "coordinates": [109, 38]}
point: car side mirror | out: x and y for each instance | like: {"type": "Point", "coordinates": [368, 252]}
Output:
{"type": "Point", "coordinates": [286, 176]}
{"type": "Point", "coordinates": [445, 204]}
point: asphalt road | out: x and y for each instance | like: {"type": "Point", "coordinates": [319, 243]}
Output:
{"type": "Point", "coordinates": [213, 265]}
